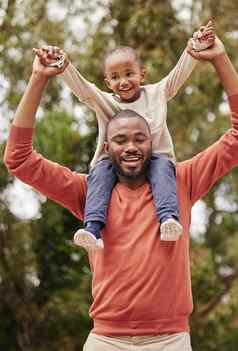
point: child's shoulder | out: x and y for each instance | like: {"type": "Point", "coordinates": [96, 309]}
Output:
{"type": "Point", "coordinates": [152, 87]}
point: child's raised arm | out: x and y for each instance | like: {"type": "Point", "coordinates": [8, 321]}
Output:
{"type": "Point", "coordinates": [183, 69]}
{"type": "Point", "coordinates": [88, 93]}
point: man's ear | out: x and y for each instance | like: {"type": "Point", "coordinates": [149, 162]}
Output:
{"type": "Point", "coordinates": [106, 147]}
{"type": "Point", "coordinates": [107, 82]}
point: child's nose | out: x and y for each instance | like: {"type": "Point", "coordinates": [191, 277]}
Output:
{"type": "Point", "coordinates": [123, 82]}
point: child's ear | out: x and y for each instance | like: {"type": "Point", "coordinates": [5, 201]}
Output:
{"type": "Point", "coordinates": [143, 74]}
{"type": "Point", "coordinates": [107, 82]}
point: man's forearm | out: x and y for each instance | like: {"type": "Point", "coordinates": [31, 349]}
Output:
{"type": "Point", "coordinates": [226, 73]}
{"type": "Point", "coordinates": [25, 114]}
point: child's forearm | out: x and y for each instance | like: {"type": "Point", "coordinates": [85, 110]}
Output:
{"type": "Point", "coordinates": [88, 93]}
{"type": "Point", "coordinates": [179, 74]}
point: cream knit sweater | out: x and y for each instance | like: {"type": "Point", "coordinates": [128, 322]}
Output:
{"type": "Point", "coordinates": [152, 103]}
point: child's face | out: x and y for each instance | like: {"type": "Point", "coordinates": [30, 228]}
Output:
{"type": "Point", "coordinates": [124, 75]}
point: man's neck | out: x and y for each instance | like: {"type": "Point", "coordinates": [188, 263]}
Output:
{"type": "Point", "coordinates": [132, 183]}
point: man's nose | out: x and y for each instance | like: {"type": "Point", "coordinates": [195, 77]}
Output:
{"type": "Point", "coordinates": [130, 147]}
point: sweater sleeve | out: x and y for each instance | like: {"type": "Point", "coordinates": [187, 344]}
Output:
{"type": "Point", "coordinates": [203, 171]}
{"type": "Point", "coordinates": [88, 93]}
{"type": "Point", "coordinates": [54, 181]}
{"type": "Point", "coordinates": [179, 74]}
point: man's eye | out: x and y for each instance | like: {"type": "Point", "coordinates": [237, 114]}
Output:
{"type": "Point", "coordinates": [120, 141]}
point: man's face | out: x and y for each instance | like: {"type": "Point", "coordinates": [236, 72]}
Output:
{"type": "Point", "coordinates": [124, 75]}
{"type": "Point", "coordinates": [129, 147]}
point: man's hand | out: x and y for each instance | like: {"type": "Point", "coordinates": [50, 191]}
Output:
{"type": "Point", "coordinates": [204, 37]}
{"type": "Point", "coordinates": [46, 56]}
{"type": "Point", "coordinates": [209, 54]}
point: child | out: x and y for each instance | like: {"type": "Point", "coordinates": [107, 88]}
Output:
{"type": "Point", "coordinates": [124, 74]}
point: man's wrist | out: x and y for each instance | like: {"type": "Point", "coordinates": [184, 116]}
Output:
{"type": "Point", "coordinates": [39, 78]}
{"type": "Point", "coordinates": [219, 58]}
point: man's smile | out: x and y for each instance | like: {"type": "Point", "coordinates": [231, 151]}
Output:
{"type": "Point", "coordinates": [131, 158]}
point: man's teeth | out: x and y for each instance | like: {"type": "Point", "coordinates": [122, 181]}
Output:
{"type": "Point", "coordinates": [131, 158]}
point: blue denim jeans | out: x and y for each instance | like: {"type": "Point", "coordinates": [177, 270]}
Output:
{"type": "Point", "coordinates": [162, 178]}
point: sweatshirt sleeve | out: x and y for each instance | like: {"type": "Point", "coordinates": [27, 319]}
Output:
{"type": "Point", "coordinates": [204, 170]}
{"type": "Point", "coordinates": [54, 181]}
{"type": "Point", "coordinates": [179, 74]}
{"type": "Point", "coordinates": [88, 93]}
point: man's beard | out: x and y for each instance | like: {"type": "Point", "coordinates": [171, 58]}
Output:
{"type": "Point", "coordinates": [131, 175]}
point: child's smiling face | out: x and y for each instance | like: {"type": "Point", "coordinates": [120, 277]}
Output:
{"type": "Point", "coordinates": [124, 75]}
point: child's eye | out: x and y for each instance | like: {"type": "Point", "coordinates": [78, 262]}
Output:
{"type": "Point", "coordinates": [130, 74]}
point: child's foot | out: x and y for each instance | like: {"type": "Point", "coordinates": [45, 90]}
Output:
{"type": "Point", "coordinates": [170, 230]}
{"type": "Point", "coordinates": [87, 240]}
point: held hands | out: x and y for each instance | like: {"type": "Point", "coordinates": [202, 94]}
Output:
{"type": "Point", "coordinates": [209, 54]}
{"type": "Point", "coordinates": [45, 59]}
{"type": "Point", "coordinates": [206, 36]}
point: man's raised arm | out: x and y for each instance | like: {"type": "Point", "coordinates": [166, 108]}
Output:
{"type": "Point", "coordinates": [203, 170]}
{"type": "Point", "coordinates": [26, 110]}
{"type": "Point", "coordinates": [51, 179]}
{"type": "Point", "coordinates": [218, 57]}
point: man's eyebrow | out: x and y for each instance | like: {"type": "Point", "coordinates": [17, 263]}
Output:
{"type": "Point", "coordinates": [118, 135]}
{"type": "Point", "coordinates": [141, 134]}
{"type": "Point", "coordinates": [121, 135]}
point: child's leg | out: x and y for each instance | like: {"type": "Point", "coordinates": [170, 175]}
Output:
{"type": "Point", "coordinates": [162, 177]}
{"type": "Point", "coordinates": [100, 183]}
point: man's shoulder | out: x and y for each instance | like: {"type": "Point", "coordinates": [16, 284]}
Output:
{"type": "Point", "coordinates": [82, 179]}
{"type": "Point", "coordinates": [182, 169]}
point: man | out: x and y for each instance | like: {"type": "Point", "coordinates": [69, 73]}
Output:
{"type": "Point", "coordinates": [141, 285]}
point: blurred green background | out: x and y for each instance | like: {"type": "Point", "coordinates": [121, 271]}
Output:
{"type": "Point", "coordinates": [45, 280]}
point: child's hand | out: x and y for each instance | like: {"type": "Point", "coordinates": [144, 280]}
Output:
{"type": "Point", "coordinates": [209, 54]}
{"type": "Point", "coordinates": [204, 37]}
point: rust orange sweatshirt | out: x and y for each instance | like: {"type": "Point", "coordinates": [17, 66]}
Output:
{"type": "Point", "coordinates": [141, 285]}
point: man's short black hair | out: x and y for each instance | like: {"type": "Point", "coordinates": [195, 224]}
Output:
{"type": "Point", "coordinates": [125, 114]}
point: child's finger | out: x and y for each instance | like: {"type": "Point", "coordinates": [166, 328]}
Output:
{"type": "Point", "coordinates": [51, 48]}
